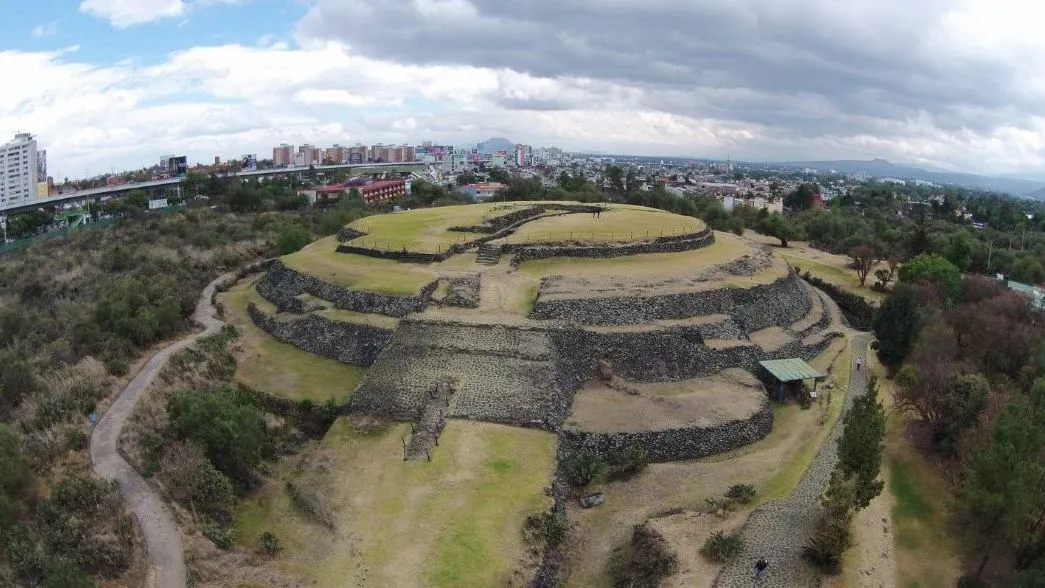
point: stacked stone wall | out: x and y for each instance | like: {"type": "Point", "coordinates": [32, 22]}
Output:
{"type": "Point", "coordinates": [281, 286]}
{"type": "Point", "coordinates": [673, 244]}
{"type": "Point", "coordinates": [499, 223]}
{"type": "Point", "coordinates": [677, 353]}
{"type": "Point", "coordinates": [675, 444]}
{"type": "Point", "coordinates": [499, 374]}
{"type": "Point", "coordinates": [779, 303]}
{"type": "Point", "coordinates": [351, 343]}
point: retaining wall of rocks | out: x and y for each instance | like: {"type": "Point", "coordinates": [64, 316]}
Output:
{"type": "Point", "coordinates": [499, 223]}
{"type": "Point", "coordinates": [676, 353]}
{"type": "Point", "coordinates": [498, 373]}
{"type": "Point", "coordinates": [281, 286]}
{"type": "Point", "coordinates": [779, 303]}
{"type": "Point", "coordinates": [675, 444]}
{"type": "Point", "coordinates": [672, 244]}
{"type": "Point", "coordinates": [351, 343]}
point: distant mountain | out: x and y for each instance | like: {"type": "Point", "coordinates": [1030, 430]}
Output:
{"type": "Point", "coordinates": [495, 144]}
{"type": "Point", "coordinates": [884, 169]}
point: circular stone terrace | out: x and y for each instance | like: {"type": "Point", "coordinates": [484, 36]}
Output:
{"type": "Point", "coordinates": [512, 304]}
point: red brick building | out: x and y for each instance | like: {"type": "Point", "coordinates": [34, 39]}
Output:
{"type": "Point", "coordinates": [382, 190]}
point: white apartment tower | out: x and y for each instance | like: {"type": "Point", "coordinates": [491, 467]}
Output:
{"type": "Point", "coordinates": [20, 170]}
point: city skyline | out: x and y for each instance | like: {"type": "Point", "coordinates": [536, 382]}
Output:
{"type": "Point", "coordinates": [951, 85]}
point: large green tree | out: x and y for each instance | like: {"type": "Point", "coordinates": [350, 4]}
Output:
{"type": "Point", "coordinates": [860, 446]}
{"type": "Point", "coordinates": [231, 431]}
{"type": "Point", "coordinates": [934, 270]}
{"type": "Point", "coordinates": [1004, 491]}
{"type": "Point", "coordinates": [779, 227]}
{"type": "Point", "coordinates": [896, 326]}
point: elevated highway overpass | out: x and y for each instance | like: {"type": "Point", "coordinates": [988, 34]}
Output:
{"type": "Point", "coordinates": [95, 194]}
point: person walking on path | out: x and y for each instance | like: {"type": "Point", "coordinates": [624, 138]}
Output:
{"type": "Point", "coordinates": [859, 362]}
{"type": "Point", "coordinates": [760, 566]}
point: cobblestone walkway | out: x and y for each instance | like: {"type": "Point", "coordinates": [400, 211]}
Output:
{"type": "Point", "coordinates": [778, 530]}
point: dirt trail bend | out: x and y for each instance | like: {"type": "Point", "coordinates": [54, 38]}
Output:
{"type": "Point", "coordinates": [161, 534]}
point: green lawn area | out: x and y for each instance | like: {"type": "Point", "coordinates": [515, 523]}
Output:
{"type": "Point", "coordinates": [359, 272]}
{"type": "Point", "coordinates": [365, 318]}
{"type": "Point", "coordinates": [424, 230]}
{"type": "Point", "coordinates": [615, 224]}
{"type": "Point", "coordinates": [839, 275]}
{"type": "Point", "coordinates": [726, 248]}
{"type": "Point", "coordinates": [454, 521]}
{"type": "Point", "coordinates": [277, 368]}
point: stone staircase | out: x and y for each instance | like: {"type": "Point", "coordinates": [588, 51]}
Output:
{"type": "Point", "coordinates": [488, 254]}
{"type": "Point", "coordinates": [430, 422]}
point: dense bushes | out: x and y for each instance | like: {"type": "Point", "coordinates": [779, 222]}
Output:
{"type": "Point", "coordinates": [228, 427]}
{"type": "Point", "coordinates": [646, 561]}
{"type": "Point", "coordinates": [83, 521]}
{"type": "Point", "coordinates": [192, 480]}
{"type": "Point", "coordinates": [722, 548]}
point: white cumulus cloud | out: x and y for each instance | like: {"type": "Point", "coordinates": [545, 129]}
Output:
{"type": "Point", "coordinates": [127, 13]}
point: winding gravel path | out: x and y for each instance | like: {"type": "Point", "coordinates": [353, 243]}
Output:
{"type": "Point", "coordinates": [161, 533]}
{"type": "Point", "coordinates": [778, 530]}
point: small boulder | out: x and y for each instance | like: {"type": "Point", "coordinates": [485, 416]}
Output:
{"type": "Point", "coordinates": [593, 499]}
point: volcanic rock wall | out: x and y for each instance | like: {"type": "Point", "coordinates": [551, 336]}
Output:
{"type": "Point", "coordinates": [779, 303]}
{"type": "Point", "coordinates": [351, 343]}
{"type": "Point", "coordinates": [674, 244]}
{"type": "Point", "coordinates": [498, 373]}
{"type": "Point", "coordinates": [675, 444]}
{"type": "Point", "coordinates": [281, 285]}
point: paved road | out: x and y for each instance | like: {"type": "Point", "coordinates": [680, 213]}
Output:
{"type": "Point", "coordinates": [778, 530]}
{"type": "Point", "coordinates": [161, 533]}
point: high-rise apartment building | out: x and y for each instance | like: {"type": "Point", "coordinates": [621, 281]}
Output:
{"type": "Point", "coordinates": [20, 170]}
{"type": "Point", "coordinates": [336, 154]}
{"type": "Point", "coordinates": [283, 155]}
{"type": "Point", "coordinates": [311, 155]}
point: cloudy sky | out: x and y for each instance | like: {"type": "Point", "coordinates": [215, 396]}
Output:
{"type": "Point", "coordinates": [957, 84]}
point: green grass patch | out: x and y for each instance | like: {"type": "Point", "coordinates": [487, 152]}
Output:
{"type": "Point", "coordinates": [358, 272]}
{"type": "Point", "coordinates": [279, 369]}
{"type": "Point", "coordinates": [726, 248]}
{"type": "Point", "coordinates": [425, 230]}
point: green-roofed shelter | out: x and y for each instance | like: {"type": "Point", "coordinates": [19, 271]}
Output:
{"type": "Point", "coordinates": [789, 374]}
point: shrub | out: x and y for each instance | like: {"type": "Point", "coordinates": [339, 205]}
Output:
{"type": "Point", "coordinates": [585, 467]}
{"type": "Point", "coordinates": [83, 520]}
{"type": "Point", "coordinates": [547, 528]}
{"type": "Point", "coordinates": [646, 561]}
{"type": "Point", "coordinates": [631, 461]}
{"type": "Point", "coordinates": [191, 479]}
{"type": "Point", "coordinates": [291, 237]}
{"type": "Point", "coordinates": [230, 430]}
{"type": "Point", "coordinates": [722, 548]}
{"type": "Point", "coordinates": [830, 540]}
{"type": "Point", "coordinates": [270, 545]}
{"type": "Point", "coordinates": [742, 493]}
{"type": "Point", "coordinates": [220, 536]}
{"type": "Point", "coordinates": [76, 439]}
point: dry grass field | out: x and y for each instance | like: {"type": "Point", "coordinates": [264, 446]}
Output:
{"type": "Point", "coordinates": [454, 521]}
